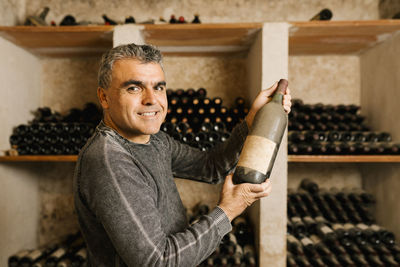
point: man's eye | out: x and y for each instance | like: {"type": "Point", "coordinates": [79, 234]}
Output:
{"type": "Point", "coordinates": [133, 88]}
{"type": "Point", "coordinates": [160, 88]}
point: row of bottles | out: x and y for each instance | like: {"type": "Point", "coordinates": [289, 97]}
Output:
{"type": "Point", "coordinates": [337, 206]}
{"type": "Point", "coordinates": [69, 20]}
{"type": "Point", "coordinates": [50, 133]}
{"type": "Point", "coordinates": [237, 247]}
{"type": "Point", "coordinates": [193, 118]}
{"type": "Point", "coordinates": [318, 129]}
{"type": "Point", "coordinates": [200, 121]}
{"type": "Point", "coordinates": [70, 252]}
{"type": "Point", "coordinates": [335, 228]}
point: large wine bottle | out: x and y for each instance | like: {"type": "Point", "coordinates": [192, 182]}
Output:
{"type": "Point", "coordinates": [262, 143]}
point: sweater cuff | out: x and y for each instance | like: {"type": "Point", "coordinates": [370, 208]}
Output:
{"type": "Point", "coordinates": [221, 220]}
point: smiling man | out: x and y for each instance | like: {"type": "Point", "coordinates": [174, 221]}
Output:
{"type": "Point", "coordinates": [128, 206]}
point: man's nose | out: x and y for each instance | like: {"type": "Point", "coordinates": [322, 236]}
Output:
{"type": "Point", "coordinates": [149, 97]}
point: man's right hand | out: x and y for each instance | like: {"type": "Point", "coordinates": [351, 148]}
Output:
{"type": "Point", "coordinates": [236, 198]}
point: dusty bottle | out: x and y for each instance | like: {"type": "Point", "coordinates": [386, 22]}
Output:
{"type": "Point", "coordinates": [262, 143]}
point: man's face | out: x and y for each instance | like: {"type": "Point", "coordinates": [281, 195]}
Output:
{"type": "Point", "coordinates": [136, 104]}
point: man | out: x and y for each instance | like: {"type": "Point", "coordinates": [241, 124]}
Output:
{"type": "Point", "coordinates": [128, 206]}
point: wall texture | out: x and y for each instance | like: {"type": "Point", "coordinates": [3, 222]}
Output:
{"type": "Point", "coordinates": [380, 72]}
{"type": "Point", "coordinates": [220, 11]}
{"type": "Point", "coordinates": [20, 93]}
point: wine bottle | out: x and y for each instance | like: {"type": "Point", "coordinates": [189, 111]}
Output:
{"type": "Point", "coordinates": [80, 257]}
{"type": "Point", "coordinates": [13, 260]}
{"type": "Point", "coordinates": [242, 231]}
{"type": "Point", "coordinates": [249, 256]}
{"type": "Point", "coordinates": [324, 14]}
{"type": "Point", "coordinates": [309, 186]}
{"type": "Point", "coordinates": [299, 229]}
{"type": "Point", "coordinates": [290, 260]}
{"type": "Point", "coordinates": [320, 247]}
{"type": "Point", "coordinates": [262, 143]}
{"type": "Point", "coordinates": [294, 245]}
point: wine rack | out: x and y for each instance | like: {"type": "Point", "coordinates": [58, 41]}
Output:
{"type": "Point", "coordinates": [336, 227]}
{"type": "Point", "coordinates": [246, 40]}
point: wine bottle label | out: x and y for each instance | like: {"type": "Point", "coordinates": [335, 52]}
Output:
{"type": "Point", "coordinates": [308, 219]}
{"type": "Point", "coordinates": [63, 263]}
{"type": "Point", "coordinates": [239, 250]}
{"type": "Point", "coordinates": [326, 230]}
{"type": "Point", "coordinates": [362, 226]}
{"type": "Point", "coordinates": [348, 226]}
{"type": "Point", "coordinates": [315, 239]}
{"type": "Point", "coordinates": [375, 227]}
{"type": "Point", "coordinates": [306, 241]}
{"type": "Point", "coordinates": [35, 254]}
{"type": "Point", "coordinates": [39, 264]}
{"type": "Point", "coordinates": [22, 253]}
{"type": "Point", "coordinates": [257, 153]}
{"type": "Point", "coordinates": [248, 249]}
{"type": "Point", "coordinates": [58, 253]}
{"type": "Point", "coordinates": [292, 239]}
{"type": "Point", "coordinates": [337, 226]}
{"type": "Point", "coordinates": [232, 237]}
{"type": "Point", "coordinates": [295, 219]}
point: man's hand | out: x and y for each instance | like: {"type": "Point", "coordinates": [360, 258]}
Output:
{"type": "Point", "coordinates": [263, 98]}
{"type": "Point", "coordinates": [236, 198]}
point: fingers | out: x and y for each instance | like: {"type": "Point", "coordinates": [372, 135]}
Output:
{"type": "Point", "coordinates": [264, 193]}
{"type": "Point", "coordinates": [287, 101]}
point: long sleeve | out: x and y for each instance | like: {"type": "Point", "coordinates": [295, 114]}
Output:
{"type": "Point", "coordinates": [210, 167]}
{"type": "Point", "coordinates": [124, 209]}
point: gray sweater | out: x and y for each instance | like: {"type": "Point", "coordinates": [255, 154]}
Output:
{"type": "Point", "coordinates": [129, 208]}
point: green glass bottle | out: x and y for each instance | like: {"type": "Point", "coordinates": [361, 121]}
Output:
{"type": "Point", "coordinates": [262, 144]}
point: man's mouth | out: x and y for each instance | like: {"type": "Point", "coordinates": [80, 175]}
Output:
{"type": "Point", "coordinates": [148, 114]}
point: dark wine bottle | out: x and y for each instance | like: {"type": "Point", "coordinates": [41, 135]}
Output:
{"type": "Point", "coordinates": [13, 260]}
{"type": "Point", "coordinates": [261, 146]}
{"type": "Point", "coordinates": [309, 185]}
{"type": "Point", "coordinates": [79, 258]}
{"type": "Point", "coordinates": [294, 245]}
{"type": "Point", "coordinates": [324, 14]}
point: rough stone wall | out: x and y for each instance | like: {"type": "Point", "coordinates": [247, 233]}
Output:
{"type": "Point", "coordinates": [12, 12]}
{"type": "Point", "coordinates": [210, 11]}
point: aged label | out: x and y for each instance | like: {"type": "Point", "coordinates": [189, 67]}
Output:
{"type": "Point", "coordinates": [257, 153]}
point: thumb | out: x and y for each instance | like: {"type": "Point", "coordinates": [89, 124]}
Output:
{"type": "Point", "coordinates": [270, 90]}
{"type": "Point", "coordinates": [228, 180]}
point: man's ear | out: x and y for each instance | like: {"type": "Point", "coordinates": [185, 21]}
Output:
{"type": "Point", "coordinates": [102, 96]}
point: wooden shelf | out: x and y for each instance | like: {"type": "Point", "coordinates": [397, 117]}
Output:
{"type": "Point", "coordinates": [339, 37]}
{"type": "Point", "coordinates": [291, 158]}
{"type": "Point", "coordinates": [60, 41]}
{"type": "Point", "coordinates": [340, 158]}
{"type": "Point", "coordinates": [201, 39]}
{"type": "Point", "coordinates": [305, 38]}
{"type": "Point", "coordinates": [62, 158]}
{"type": "Point", "coordinates": [172, 39]}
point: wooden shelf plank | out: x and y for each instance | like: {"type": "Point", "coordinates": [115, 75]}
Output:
{"type": "Point", "coordinates": [201, 39]}
{"type": "Point", "coordinates": [41, 158]}
{"type": "Point", "coordinates": [305, 38]}
{"type": "Point", "coordinates": [60, 41]}
{"type": "Point", "coordinates": [174, 39]}
{"type": "Point", "coordinates": [338, 37]}
{"type": "Point", "coordinates": [343, 158]}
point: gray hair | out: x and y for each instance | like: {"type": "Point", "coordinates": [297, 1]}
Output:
{"type": "Point", "coordinates": [143, 53]}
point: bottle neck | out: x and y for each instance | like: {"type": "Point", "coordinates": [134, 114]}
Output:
{"type": "Point", "coordinates": [277, 97]}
